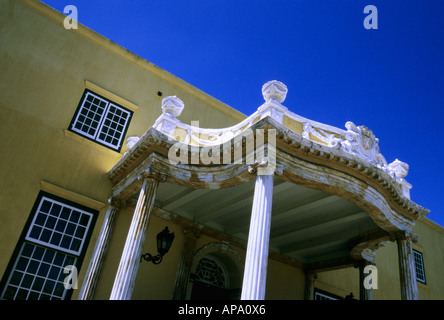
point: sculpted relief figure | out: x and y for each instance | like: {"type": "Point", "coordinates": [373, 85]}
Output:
{"type": "Point", "coordinates": [361, 141]}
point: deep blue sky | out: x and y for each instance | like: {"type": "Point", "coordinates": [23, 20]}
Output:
{"type": "Point", "coordinates": [390, 79]}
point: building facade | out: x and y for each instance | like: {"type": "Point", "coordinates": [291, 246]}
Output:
{"type": "Point", "coordinates": [102, 152]}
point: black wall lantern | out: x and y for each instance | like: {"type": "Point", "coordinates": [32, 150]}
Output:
{"type": "Point", "coordinates": [164, 240]}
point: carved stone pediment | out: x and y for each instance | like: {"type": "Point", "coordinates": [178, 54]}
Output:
{"type": "Point", "coordinates": [368, 139]}
{"type": "Point", "coordinates": [361, 141]}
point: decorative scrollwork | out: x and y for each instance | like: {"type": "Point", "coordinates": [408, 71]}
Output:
{"type": "Point", "coordinates": [361, 141]}
{"type": "Point", "coordinates": [153, 173]}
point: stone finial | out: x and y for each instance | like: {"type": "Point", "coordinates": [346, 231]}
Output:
{"type": "Point", "coordinates": [274, 90]}
{"type": "Point", "coordinates": [172, 106]}
{"type": "Point", "coordinates": [131, 141]}
{"type": "Point", "coordinates": [399, 169]}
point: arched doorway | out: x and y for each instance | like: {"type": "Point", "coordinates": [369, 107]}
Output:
{"type": "Point", "coordinates": [216, 274]}
{"type": "Point", "coordinates": [210, 281]}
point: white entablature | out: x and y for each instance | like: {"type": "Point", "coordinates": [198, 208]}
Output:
{"type": "Point", "coordinates": [346, 164]}
{"type": "Point", "coordinates": [358, 141]}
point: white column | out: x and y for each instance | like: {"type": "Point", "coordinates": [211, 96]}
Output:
{"type": "Point", "coordinates": [407, 273]}
{"type": "Point", "coordinates": [364, 293]}
{"type": "Point", "coordinates": [130, 260]}
{"type": "Point", "coordinates": [100, 250]}
{"type": "Point", "coordinates": [310, 278]}
{"type": "Point", "coordinates": [186, 260]}
{"type": "Point", "coordinates": [255, 273]}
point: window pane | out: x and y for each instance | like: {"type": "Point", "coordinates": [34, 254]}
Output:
{"type": "Point", "coordinates": [419, 266]}
{"type": "Point", "coordinates": [60, 227]}
{"type": "Point", "coordinates": [101, 120]}
{"type": "Point", "coordinates": [91, 112]}
{"type": "Point", "coordinates": [111, 132]}
{"type": "Point", "coordinates": [16, 278]}
{"type": "Point", "coordinates": [38, 275]}
{"type": "Point", "coordinates": [10, 293]}
{"type": "Point", "coordinates": [53, 241]}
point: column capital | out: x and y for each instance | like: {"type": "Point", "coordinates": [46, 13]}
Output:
{"type": "Point", "coordinates": [252, 168]}
{"type": "Point", "coordinates": [265, 163]}
{"type": "Point", "coordinates": [153, 174]}
{"type": "Point", "coordinates": [311, 275]}
{"type": "Point", "coordinates": [363, 263]}
{"type": "Point", "coordinates": [117, 203]}
{"type": "Point", "coordinates": [369, 255]}
{"type": "Point", "coordinates": [404, 235]}
{"type": "Point", "coordinates": [192, 232]}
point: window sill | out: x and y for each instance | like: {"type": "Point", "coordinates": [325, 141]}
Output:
{"type": "Point", "coordinates": [78, 138]}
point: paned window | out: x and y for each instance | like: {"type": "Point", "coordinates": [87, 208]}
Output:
{"type": "Point", "coordinates": [212, 272]}
{"type": "Point", "coordinates": [323, 295]}
{"type": "Point", "coordinates": [419, 266]}
{"type": "Point", "coordinates": [54, 239]}
{"type": "Point", "coordinates": [101, 120]}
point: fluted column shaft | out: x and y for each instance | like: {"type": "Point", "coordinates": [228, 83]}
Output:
{"type": "Point", "coordinates": [407, 273]}
{"type": "Point", "coordinates": [309, 285]}
{"type": "Point", "coordinates": [255, 273]}
{"type": "Point", "coordinates": [364, 293]}
{"type": "Point", "coordinates": [184, 269]}
{"type": "Point", "coordinates": [130, 260]}
{"type": "Point", "coordinates": [99, 253]}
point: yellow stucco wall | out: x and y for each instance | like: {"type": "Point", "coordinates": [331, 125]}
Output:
{"type": "Point", "coordinates": [430, 244]}
{"type": "Point", "coordinates": [284, 282]}
{"type": "Point", "coordinates": [44, 69]}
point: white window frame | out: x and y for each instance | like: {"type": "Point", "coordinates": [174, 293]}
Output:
{"type": "Point", "coordinates": [322, 295]}
{"type": "Point", "coordinates": [101, 127]}
{"type": "Point", "coordinates": [58, 247]}
{"type": "Point", "coordinates": [55, 284]}
{"type": "Point", "coordinates": [37, 271]}
{"type": "Point", "coordinates": [418, 260]}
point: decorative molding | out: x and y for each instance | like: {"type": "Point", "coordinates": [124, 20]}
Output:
{"type": "Point", "coordinates": [72, 196]}
{"type": "Point", "coordinates": [364, 246]}
{"type": "Point", "coordinates": [404, 236]}
{"type": "Point", "coordinates": [222, 247]}
{"type": "Point", "coordinates": [337, 162]}
{"type": "Point", "coordinates": [328, 138]}
{"type": "Point", "coordinates": [111, 96]}
{"type": "Point", "coordinates": [152, 173]}
{"type": "Point", "coordinates": [360, 141]}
